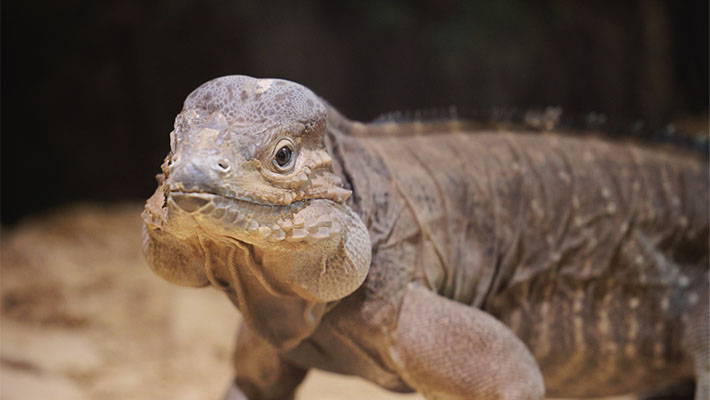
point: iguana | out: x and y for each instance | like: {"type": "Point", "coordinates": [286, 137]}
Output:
{"type": "Point", "coordinates": [428, 257]}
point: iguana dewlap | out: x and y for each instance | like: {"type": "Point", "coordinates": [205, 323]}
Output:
{"type": "Point", "coordinates": [420, 256]}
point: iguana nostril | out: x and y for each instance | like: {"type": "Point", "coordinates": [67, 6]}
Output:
{"type": "Point", "coordinates": [223, 165]}
{"type": "Point", "coordinates": [188, 203]}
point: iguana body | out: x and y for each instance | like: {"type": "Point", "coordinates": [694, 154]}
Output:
{"type": "Point", "coordinates": [592, 254]}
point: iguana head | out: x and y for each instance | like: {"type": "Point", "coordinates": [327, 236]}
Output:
{"type": "Point", "coordinates": [248, 168]}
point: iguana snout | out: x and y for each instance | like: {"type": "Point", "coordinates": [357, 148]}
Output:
{"type": "Point", "coordinates": [192, 169]}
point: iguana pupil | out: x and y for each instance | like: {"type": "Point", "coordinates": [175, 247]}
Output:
{"type": "Point", "coordinates": [283, 156]}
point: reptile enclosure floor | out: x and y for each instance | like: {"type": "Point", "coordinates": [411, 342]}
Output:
{"type": "Point", "coordinates": [83, 317]}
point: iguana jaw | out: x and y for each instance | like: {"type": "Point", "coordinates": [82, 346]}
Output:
{"type": "Point", "coordinates": [253, 223]}
{"type": "Point", "coordinates": [318, 249]}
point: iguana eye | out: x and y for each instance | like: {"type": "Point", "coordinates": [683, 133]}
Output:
{"type": "Point", "coordinates": [284, 157]}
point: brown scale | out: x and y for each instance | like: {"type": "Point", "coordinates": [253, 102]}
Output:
{"type": "Point", "coordinates": [611, 215]}
{"type": "Point", "coordinates": [590, 236]}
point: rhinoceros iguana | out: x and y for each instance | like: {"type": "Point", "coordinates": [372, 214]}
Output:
{"type": "Point", "coordinates": [431, 257]}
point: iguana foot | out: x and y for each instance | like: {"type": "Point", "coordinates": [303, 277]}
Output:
{"type": "Point", "coordinates": [233, 393]}
{"type": "Point", "coordinates": [261, 372]}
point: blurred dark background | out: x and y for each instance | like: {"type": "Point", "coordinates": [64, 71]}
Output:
{"type": "Point", "coordinates": [89, 89]}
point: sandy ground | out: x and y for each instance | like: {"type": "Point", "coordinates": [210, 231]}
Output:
{"type": "Point", "coordinates": [83, 317]}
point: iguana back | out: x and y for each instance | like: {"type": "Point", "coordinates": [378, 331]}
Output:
{"type": "Point", "coordinates": [594, 252]}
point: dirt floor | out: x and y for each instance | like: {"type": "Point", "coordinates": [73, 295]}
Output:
{"type": "Point", "coordinates": [83, 317]}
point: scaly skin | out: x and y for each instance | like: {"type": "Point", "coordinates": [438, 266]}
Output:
{"type": "Point", "coordinates": [427, 257]}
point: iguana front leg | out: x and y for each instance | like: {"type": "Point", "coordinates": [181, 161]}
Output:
{"type": "Point", "coordinates": [261, 373]}
{"type": "Point", "coordinates": [447, 350]}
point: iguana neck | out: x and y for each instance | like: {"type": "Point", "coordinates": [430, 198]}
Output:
{"type": "Point", "coordinates": [268, 306]}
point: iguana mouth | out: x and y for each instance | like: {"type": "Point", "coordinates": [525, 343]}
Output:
{"type": "Point", "coordinates": [191, 201]}
{"type": "Point", "coordinates": [258, 222]}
